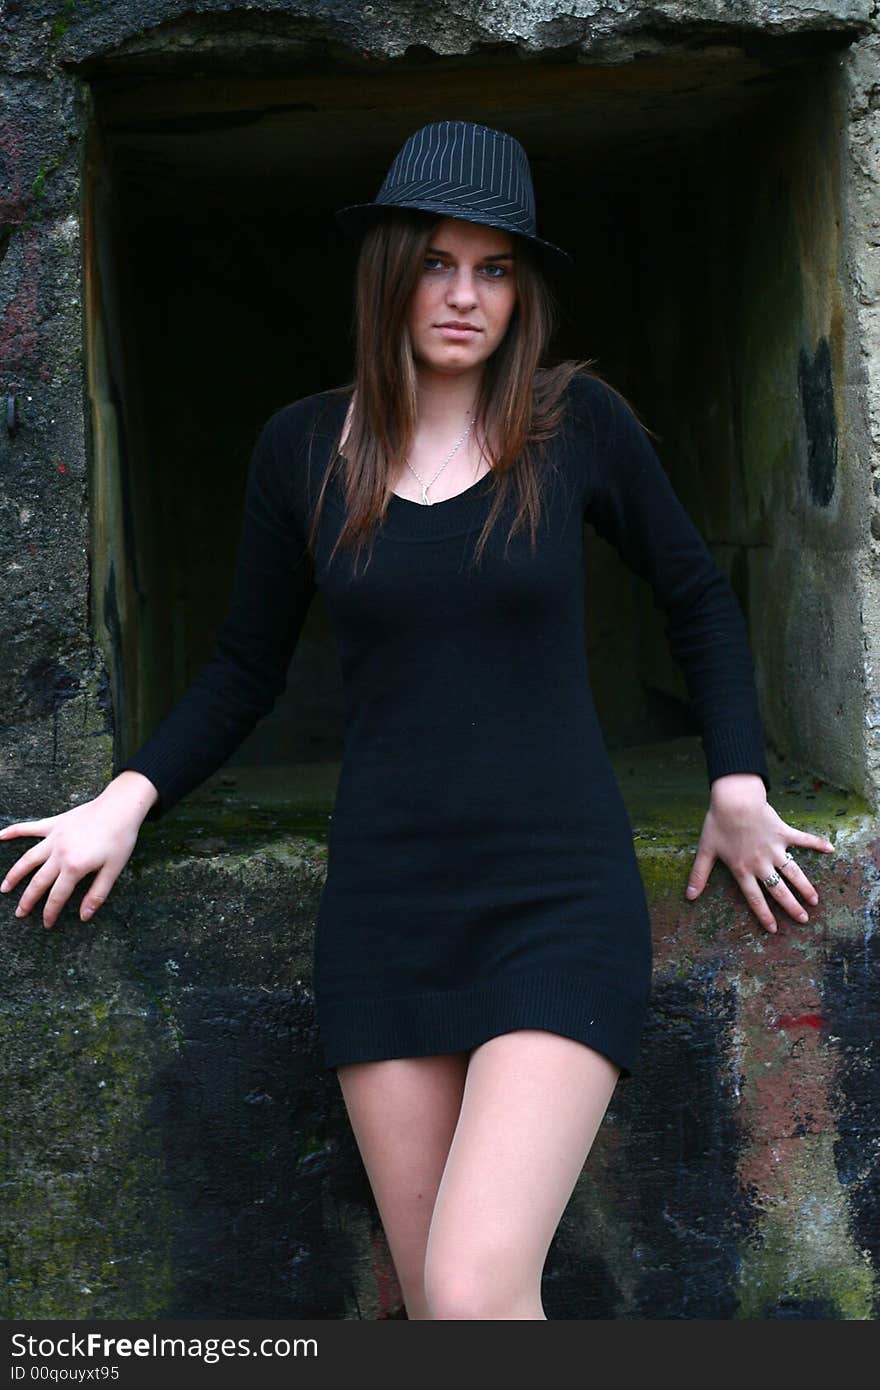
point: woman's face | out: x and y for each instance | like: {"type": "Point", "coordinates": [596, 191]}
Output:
{"type": "Point", "coordinates": [468, 278]}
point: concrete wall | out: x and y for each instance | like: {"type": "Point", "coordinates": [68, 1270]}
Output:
{"type": "Point", "coordinates": [168, 1125]}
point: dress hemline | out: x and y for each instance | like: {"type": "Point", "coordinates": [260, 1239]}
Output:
{"type": "Point", "coordinates": [374, 1028]}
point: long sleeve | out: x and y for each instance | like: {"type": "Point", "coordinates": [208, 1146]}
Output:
{"type": "Point", "coordinates": [272, 588]}
{"type": "Point", "coordinates": [630, 501]}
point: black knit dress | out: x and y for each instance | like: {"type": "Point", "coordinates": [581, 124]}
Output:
{"type": "Point", "coordinates": [481, 869]}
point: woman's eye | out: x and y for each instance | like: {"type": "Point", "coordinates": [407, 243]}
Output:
{"type": "Point", "coordinates": [492, 272]}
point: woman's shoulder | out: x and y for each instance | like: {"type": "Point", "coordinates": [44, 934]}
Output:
{"type": "Point", "coordinates": [296, 420]}
{"type": "Point", "coordinates": [573, 396]}
{"type": "Point", "coordinates": [601, 415]}
{"type": "Point", "coordinates": [295, 445]}
{"type": "Point", "coordinates": [590, 397]}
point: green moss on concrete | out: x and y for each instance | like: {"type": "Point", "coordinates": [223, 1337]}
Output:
{"type": "Point", "coordinates": [667, 794]}
{"type": "Point", "coordinates": [68, 1261]}
{"type": "Point", "coordinates": [768, 1277]}
{"type": "Point", "coordinates": [86, 1227]}
{"type": "Point", "coordinates": [285, 812]}
{"type": "Point", "coordinates": [46, 168]}
{"type": "Point", "coordinates": [242, 810]}
{"type": "Point", "coordinates": [805, 1249]}
{"type": "Point", "coordinates": [70, 11]}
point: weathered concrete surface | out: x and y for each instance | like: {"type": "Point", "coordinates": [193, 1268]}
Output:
{"type": "Point", "coordinates": [163, 1061]}
{"type": "Point", "coordinates": [75, 32]}
{"type": "Point", "coordinates": [174, 1147]}
{"type": "Point", "coordinates": [860, 205]}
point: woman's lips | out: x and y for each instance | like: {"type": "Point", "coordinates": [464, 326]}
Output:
{"type": "Point", "coordinates": [452, 331]}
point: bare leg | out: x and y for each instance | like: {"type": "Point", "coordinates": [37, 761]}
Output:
{"type": "Point", "coordinates": [532, 1106]}
{"type": "Point", "coordinates": [403, 1113]}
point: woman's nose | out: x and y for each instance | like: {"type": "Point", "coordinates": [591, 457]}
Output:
{"type": "Point", "coordinates": [462, 289]}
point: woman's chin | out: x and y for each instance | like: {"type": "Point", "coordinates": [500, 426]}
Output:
{"type": "Point", "coordinates": [452, 360]}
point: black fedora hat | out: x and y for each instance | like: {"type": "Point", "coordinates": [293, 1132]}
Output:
{"type": "Point", "coordinates": [464, 170]}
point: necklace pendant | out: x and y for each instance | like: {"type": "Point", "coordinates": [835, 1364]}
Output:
{"type": "Point", "coordinates": [425, 498]}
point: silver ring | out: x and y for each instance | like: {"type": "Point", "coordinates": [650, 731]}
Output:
{"type": "Point", "coordinates": [771, 881]}
{"type": "Point", "coordinates": [789, 859]}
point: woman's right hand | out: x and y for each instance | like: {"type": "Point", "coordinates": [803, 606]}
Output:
{"type": "Point", "coordinates": [97, 835]}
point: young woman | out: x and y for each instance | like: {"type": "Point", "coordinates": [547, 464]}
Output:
{"type": "Point", "coordinates": [483, 950]}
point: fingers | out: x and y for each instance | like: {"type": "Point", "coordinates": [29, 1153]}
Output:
{"type": "Point", "coordinates": [699, 874]}
{"type": "Point", "coordinates": [37, 887]}
{"type": "Point", "coordinates": [63, 883]}
{"type": "Point", "coordinates": [803, 837]}
{"type": "Point", "coordinates": [754, 890]}
{"type": "Point", "coordinates": [788, 873]}
{"type": "Point", "coordinates": [61, 891]}
{"type": "Point", "coordinates": [793, 871]}
{"type": "Point", "coordinates": [28, 827]}
{"type": "Point", "coordinates": [798, 879]}
{"type": "Point", "coordinates": [754, 896]}
{"type": "Point", "coordinates": [36, 855]}
{"type": "Point", "coordinates": [784, 896]}
{"type": "Point", "coordinates": [98, 892]}
{"type": "Point", "coordinates": [63, 859]}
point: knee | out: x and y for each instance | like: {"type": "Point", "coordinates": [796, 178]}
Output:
{"type": "Point", "coordinates": [459, 1288]}
{"type": "Point", "coordinates": [458, 1297]}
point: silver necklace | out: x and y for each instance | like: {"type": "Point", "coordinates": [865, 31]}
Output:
{"type": "Point", "coordinates": [424, 486]}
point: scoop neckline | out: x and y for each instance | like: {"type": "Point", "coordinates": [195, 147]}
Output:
{"type": "Point", "coordinates": [406, 519]}
{"type": "Point", "coordinates": [411, 502]}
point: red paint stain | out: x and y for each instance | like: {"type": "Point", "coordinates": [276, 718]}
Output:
{"type": "Point", "coordinates": [799, 1021]}
{"type": "Point", "coordinates": [18, 335]}
{"type": "Point", "coordinates": [784, 1068]}
{"type": "Point", "coordinates": [383, 1272]}
{"type": "Point", "coordinates": [780, 1058]}
{"type": "Point", "coordinates": [13, 205]}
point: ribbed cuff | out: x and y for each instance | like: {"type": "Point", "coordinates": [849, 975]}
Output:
{"type": "Point", "coordinates": [735, 748]}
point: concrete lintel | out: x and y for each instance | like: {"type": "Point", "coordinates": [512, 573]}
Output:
{"type": "Point", "coordinates": [74, 37]}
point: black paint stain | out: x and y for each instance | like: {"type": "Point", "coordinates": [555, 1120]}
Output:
{"type": "Point", "coordinates": [816, 385]}
{"type": "Point", "coordinates": [111, 614]}
{"type": "Point", "coordinates": [47, 685]}
{"type": "Point", "coordinates": [576, 1287]}
{"type": "Point", "coordinates": [259, 1164]}
{"type": "Point", "coordinates": [688, 1214]}
{"type": "Point", "coordinates": [113, 693]}
{"type": "Point", "coordinates": [851, 997]}
{"type": "Point", "coordinates": [105, 702]}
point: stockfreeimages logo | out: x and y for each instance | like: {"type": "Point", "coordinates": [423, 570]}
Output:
{"type": "Point", "coordinates": [97, 1346]}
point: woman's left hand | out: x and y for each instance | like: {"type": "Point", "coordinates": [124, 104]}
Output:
{"type": "Point", "coordinates": [742, 829]}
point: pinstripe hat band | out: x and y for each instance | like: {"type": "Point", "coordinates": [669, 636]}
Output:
{"type": "Point", "coordinates": [464, 170]}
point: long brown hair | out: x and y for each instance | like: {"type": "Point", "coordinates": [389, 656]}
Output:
{"type": "Point", "coordinates": [520, 402]}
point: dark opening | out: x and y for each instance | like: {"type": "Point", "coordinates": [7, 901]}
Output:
{"type": "Point", "coordinates": [222, 290]}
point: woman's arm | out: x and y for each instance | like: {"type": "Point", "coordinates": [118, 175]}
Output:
{"type": "Point", "coordinates": [630, 501]}
{"type": "Point", "coordinates": [247, 670]}
{"type": "Point", "coordinates": [632, 504]}
{"type": "Point", "coordinates": [272, 588]}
